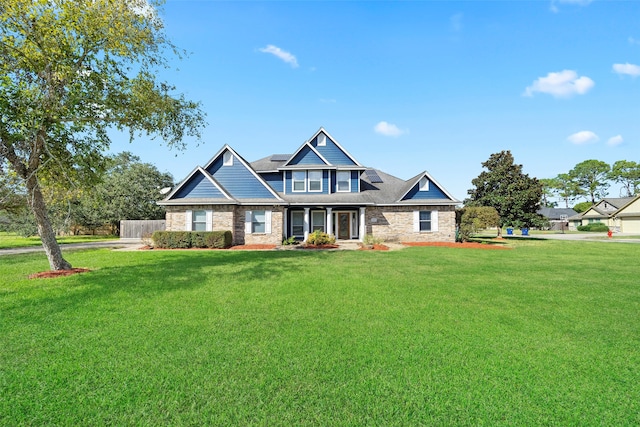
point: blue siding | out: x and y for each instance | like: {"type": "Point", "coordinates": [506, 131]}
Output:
{"type": "Point", "coordinates": [274, 179]}
{"type": "Point", "coordinates": [433, 193]}
{"type": "Point", "coordinates": [306, 156]}
{"type": "Point", "coordinates": [199, 187]}
{"type": "Point", "coordinates": [332, 153]}
{"type": "Point", "coordinates": [238, 181]}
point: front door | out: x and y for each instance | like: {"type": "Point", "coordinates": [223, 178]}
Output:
{"type": "Point", "coordinates": [344, 225]}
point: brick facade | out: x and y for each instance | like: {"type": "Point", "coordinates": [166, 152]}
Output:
{"type": "Point", "coordinates": [232, 218]}
{"type": "Point", "coordinates": [395, 224]}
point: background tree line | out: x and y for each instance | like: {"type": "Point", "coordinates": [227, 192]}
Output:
{"type": "Point", "coordinates": [126, 189]}
{"type": "Point", "coordinates": [591, 180]}
{"type": "Point", "coordinates": [516, 197]}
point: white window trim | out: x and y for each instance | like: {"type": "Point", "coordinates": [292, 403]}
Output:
{"type": "Point", "coordinates": [227, 159]}
{"type": "Point", "coordinates": [324, 220]}
{"type": "Point", "coordinates": [248, 222]}
{"type": "Point", "coordinates": [301, 213]}
{"type": "Point", "coordinates": [293, 181]}
{"type": "Point", "coordinates": [338, 182]}
{"type": "Point", "coordinates": [309, 181]}
{"type": "Point", "coordinates": [188, 220]}
{"type": "Point", "coordinates": [424, 184]}
{"type": "Point", "coordinates": [416, 221]}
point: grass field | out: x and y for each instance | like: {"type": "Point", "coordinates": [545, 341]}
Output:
{"type": "Point", "coordinates": [545, 334]}
{"type": "Point", "coordinates": [12, 240]}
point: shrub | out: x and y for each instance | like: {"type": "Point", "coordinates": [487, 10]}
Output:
{"type": "Point", "coordinates": [594, 226]}
{"type": "Point", "coordinates": [290, 241]}
{"type": "Point", "coordinates": [191, 239]}
{"type": "Point", "coordinates": [370, 240]}
{"type": "Point", "coordinates": [218, 239]}
{"type": "Point", "coordinates": [320, 238]}
{"type": "Point", "coordinates": [475, 218]}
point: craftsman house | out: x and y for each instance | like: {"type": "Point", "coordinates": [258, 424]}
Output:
{"type": "Point", "coordinates": [320, 186]}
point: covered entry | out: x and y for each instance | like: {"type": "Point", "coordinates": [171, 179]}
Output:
{"type": "Point", "coordinates": [343, 223]}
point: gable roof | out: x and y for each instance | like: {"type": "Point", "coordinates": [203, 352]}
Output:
{"type": "Point", "coordinates": [622, 210]}
{"type": "Point", "coordinates": [415, 181]}
{"type": "Point", "coordinates": [309, 145]}
{"type": "Point", "coordinates": [189, 179]}
{"type": "Point", "coordinates": [229, 195]}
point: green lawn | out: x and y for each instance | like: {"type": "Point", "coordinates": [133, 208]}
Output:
{"type": "Point", "coordinates": [545, 334]}
{"type": "Point", "coordinates": [12, 240]}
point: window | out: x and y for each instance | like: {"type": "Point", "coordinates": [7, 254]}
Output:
{"type": "Point", "coordinates": [425, 220]}
{"type": "Point", "coordinates": [315, 180]}
{"type": "Point", "coordinates": [297, 223]}
{"type": "Point", "coordinates": [317, 220]}
{"type": "Point", "coordinates": [299, 180]}
{"type": "Point", "coordinates": [258, 222]}
{"type": "Point", "coordinates": [322, 140]}
{"type": "Point", "coordinates": [344, 181]}
{"type": "Point", "coordinates": [227, 159]}
{"type": "Point", "coordinates": [424, 184]}
{"type": "Point", "coordinates": [199, 221]}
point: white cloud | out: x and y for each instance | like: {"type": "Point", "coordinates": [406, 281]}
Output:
{"type": "Point", "coordinates": [282, 54]}
{"type": "Point", "coordinates": [456, 22]}
{"type": "Point", "coordinates": [554, 7]}
{"type": "Point", "coordinates": [563, 84]}
{"type": "Point", "coordinates": [388, 129]}
{"type": "Point", "coordinates": [629, 69]}
{"type": "Point", "coordinates": [615, 140]}
{"type": "Point", "coordinates": [583, 137]}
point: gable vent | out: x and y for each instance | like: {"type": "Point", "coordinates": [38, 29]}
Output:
{"type": "Point", "coordinates": [373, 176]}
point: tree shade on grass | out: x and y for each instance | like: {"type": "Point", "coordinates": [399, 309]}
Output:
{"type": "Point", "coordinates": [546, 333]}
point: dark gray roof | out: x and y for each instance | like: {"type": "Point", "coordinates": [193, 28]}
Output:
{"type": "Point", "coordinates": [269, 163]}
{"type": "Point", "coordinates": [616, 202]}
{"type": "Point", "coordinates": [554, 213]}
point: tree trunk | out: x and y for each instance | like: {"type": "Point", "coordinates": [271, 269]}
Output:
{"type": "Point", "coordinates": [47, 235]}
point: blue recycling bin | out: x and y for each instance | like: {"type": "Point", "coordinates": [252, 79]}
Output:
{"type": "Point", "coordinates": [509, 231]}
{"type": "Point", "coordinates": [525, 231]}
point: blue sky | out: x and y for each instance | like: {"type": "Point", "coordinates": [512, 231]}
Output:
{"type": "Point", "coordinates": [410, 86]}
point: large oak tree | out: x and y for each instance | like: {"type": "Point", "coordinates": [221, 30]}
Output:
{"type": "Point", "coordinates": [512, 193]}
{"type": "Point", "coordinates": [70, 71]}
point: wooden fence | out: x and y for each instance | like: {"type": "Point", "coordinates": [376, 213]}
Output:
{"type": "Point", "coordinates": [136, 229]}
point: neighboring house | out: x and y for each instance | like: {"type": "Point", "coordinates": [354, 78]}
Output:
{"type": "Point", "coordinates": [605, 211]}
{"type": "Point", "coordinates": [318, 187]}
{"type": "Point", "coordinates": [558, 217]}
{"type": "Point", "coordinates": [628, 216]}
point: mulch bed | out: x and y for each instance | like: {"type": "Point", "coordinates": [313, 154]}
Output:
{"type": "Point", "coordinates": [320, 246]}
{"type": "Point", "coordinates": [468, 245]}
{"type": "Point", "coordinates": [259, 247]}
{"type": "Point", "coordinates": [58, 273]}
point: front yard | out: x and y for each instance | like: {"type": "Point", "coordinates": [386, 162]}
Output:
{"type": "Point", "coordinates": [545, 334]}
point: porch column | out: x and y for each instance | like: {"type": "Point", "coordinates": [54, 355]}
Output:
{"type": "Point", "coordinates": [285, 223]}
{"type": "Point", "coordinates": [329, 221]}
{"type": "Point", "coordinates": [363, 225]}
{"type": "Point", "coordinates": [306, 223]}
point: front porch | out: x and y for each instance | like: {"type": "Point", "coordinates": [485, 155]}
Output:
{"type": "Point", "coordinates": [344, 222]}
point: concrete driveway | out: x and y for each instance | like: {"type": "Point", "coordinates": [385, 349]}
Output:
{"type": "Point", "coordinates": [122, 244]}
